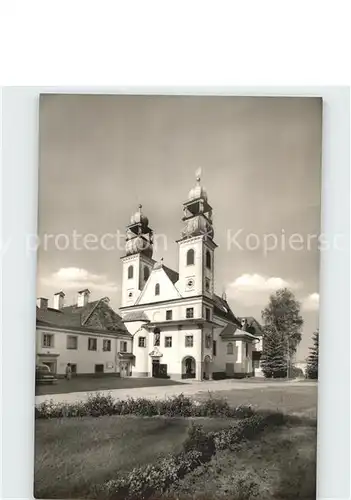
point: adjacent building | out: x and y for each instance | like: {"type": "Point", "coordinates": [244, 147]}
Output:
{"type": "Point", "coordinates": [88, 335]}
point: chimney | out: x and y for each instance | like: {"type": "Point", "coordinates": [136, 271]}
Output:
{"type": "Point", "coordinates": [42, 303]}
{"type": "Point", "coordinates": [59, 298]}
{"type": "Point", "coordinates": [83, 298]}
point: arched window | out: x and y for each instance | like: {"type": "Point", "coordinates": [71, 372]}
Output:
{"type": "Point", "coordinates": [208, 259]}
{"type": "Point", "coordinates": [230, 348]}
{"type": "Point", "coordinates": [157, 289]}
{"type": "Point", "coordinates": [130, 272]}
{"type": "Point", "coordinates": [190, 257]}
{"type": "Point", "coordinates": [146, 273]}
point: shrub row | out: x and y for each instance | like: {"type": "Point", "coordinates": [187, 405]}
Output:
{"type": "Point", "coordinates": [177, 406]}
{"type": "Point", "coordinates": [199, 447]}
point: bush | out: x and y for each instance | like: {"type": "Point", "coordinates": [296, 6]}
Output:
{"type": "Point", "coordinates": [142, 482]}
{"type": "Point", "coordinates": [177, 406]}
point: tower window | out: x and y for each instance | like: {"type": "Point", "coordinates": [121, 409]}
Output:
{"type": "Point", "coordinates": [208, 259]}
{"type": "Point", "coordinates": [214, 347]}
{"type": "Point", "coordinates": [169, 314]}
{"type": "Point", "coordinates": [230, 348]}
{"type": "Point", "coordinates": [146, 273]}
{"type": "Point", "coordinates": [157, 289]}
{"type": "Point", "coordinates": [190, 257]}
{"type": "Point", "coordinates": [130, 272]}
{"type": "Point", "coordinates": [207, 285]}
{"type": "Point", "coordinates": [208, 314]}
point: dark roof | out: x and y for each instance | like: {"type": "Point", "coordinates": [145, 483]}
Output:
{"type": "Point", "coordinates": [173, 275]}
{"type": "Point", "coordinates": [253, 326]}
{"type": "Point", "coordinates": [229, 331]}
{"type": "Point", "coordinates": [96, 315]}
{"type": "Point", "coordinates": [223, 310]}
{"type": "Point", "coordinates": [135, 316]}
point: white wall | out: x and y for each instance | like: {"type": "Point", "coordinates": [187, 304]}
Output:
{"type": "Point", "coordinates": [167, 288]}
{"type": "Point", "coordinates": [82, 357]}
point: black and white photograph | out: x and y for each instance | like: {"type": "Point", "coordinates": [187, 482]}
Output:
{"type": "Point", "coordinates": [177, 313]}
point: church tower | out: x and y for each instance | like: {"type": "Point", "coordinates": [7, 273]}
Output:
{"type": "Point", "coordinates": [196, 246]}
{"type": "Point", "coordinates": [137, 262]}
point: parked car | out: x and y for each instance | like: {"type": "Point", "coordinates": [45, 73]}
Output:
{"type": "Point", "coordinates": [43, 375]}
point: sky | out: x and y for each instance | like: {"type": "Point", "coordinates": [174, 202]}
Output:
{"type": "Point", "coordinates": [260, 157]}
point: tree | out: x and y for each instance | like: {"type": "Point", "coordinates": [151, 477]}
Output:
{"type": "Point", "coordinates": [312, 360]}
{"type": "Point", "coordinates": [274, 359]}
{"type": "Point", "coordinates": [283, 315]}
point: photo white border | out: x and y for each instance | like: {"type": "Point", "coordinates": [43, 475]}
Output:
{"type": "Point", "coordinates": [20, 201]}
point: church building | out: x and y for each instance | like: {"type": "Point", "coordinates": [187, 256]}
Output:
{"type": "Point", "coordinates": [180, 327]}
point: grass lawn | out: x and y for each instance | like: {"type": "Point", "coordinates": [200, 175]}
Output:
{"type": "Point", "coordinates": [280, 465]}
{"type": "Point", "coordinates": [85, 384]}
{"type": "Point", "coordinates": [298, 400]}
{"type": "Point", "coordinates": [73, 454]}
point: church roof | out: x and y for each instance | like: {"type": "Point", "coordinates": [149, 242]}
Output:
{"type": "Point", "coordinates": [94, 316]}
{"type": "Point", "coordinates": [231, 331]}
{"type": "Point", "coordinates": [253, 326]}
{"type": "Point", "coordinates": [223, 310]}
{"type": "Point", "coordinates": [173, 275]}
{"type": "Point", "coordinates": [135, 316]}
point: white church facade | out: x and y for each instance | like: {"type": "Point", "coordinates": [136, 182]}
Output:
{"type": "Point", "coordinates": [180, 327]}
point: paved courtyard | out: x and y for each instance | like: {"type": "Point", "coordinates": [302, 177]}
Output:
{"type": "Point", "coordinates": [225, 388]}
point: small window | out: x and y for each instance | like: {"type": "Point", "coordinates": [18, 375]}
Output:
{"type": "Point", "coordinates": [208, 259]}
{"type": "Point", "coordinates": [142, 342]}
{"type": "Point", "coordinates": [168, 341]}
{"type": "Point", "coordinates": [214, 348]}
{"type": "Point", "coordinates": [208, 339]}
{"type": "Point", "coordinates": [169, 315]}
{"type": "Point", "coordinates": [72, 342]}
{"type": "Point", "coordinates": [106, 345]}
{"type": "Point", "coordinates": [190, 257]}
{"type": "Point", "coordinates": [92, 344]}
{"type": "Point", "coordinates": [208, 314]}
{"type": "Point", "coordinates": [130, 272]}
{"type": "Point", "coordinates": [123, 346]}
{"type": "Point", "coordinates": [230, 348]}
{"type": "Point", "coordinates": [157, 289]}
{"type": "Point", "coordinates": [189, 341]}
{"type": "Point", "coordinates": [207, 285]}
{"type": "Point", "coordinates": [146, 273]}
{"type": "Point", "coordinates": [48, 340]}
{"type": "Point", "coordinates": [189, 312]}
{"type": "Point", "coordinates": [246, 349]}
{"type": "Point", "coordinates": [130, 294]}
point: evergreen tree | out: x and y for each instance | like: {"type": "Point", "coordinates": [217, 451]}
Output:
{"type": "Point", "coordinates": [283, 315]}
{"type": "Point", "coordinates": [274, 359]}
{"type": "Point", "coordinates": [312, 360]}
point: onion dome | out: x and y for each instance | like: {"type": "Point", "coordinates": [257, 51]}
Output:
{"type": "Point", "coordinates": [197, 191]}
{"type": "Point", "coordinates": [139, 218]}
{"type": "Point", "coordinates": [139, 245]}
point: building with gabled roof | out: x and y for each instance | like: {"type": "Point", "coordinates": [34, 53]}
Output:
{"type": "Point", "coordinates": [90, 336]}
{"type": "Point", "coordinates": [180, 327]}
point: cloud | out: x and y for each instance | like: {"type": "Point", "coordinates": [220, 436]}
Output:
{"type": "Point", "coordinates": [69, 278]}
{"type": "Point", "coordinates": [311, 302]}
{"type": "Point", "coordinates": [254, 289]}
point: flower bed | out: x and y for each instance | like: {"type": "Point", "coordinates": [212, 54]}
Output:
{"type": "Point", "coordinates": [177, 406]}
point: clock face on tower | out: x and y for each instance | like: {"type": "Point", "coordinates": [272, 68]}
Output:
{"type": "Point", "coordinates": [190, 283]}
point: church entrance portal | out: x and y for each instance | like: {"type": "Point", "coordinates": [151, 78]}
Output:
{"type": "Point", "coordinates": [188, 367]}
